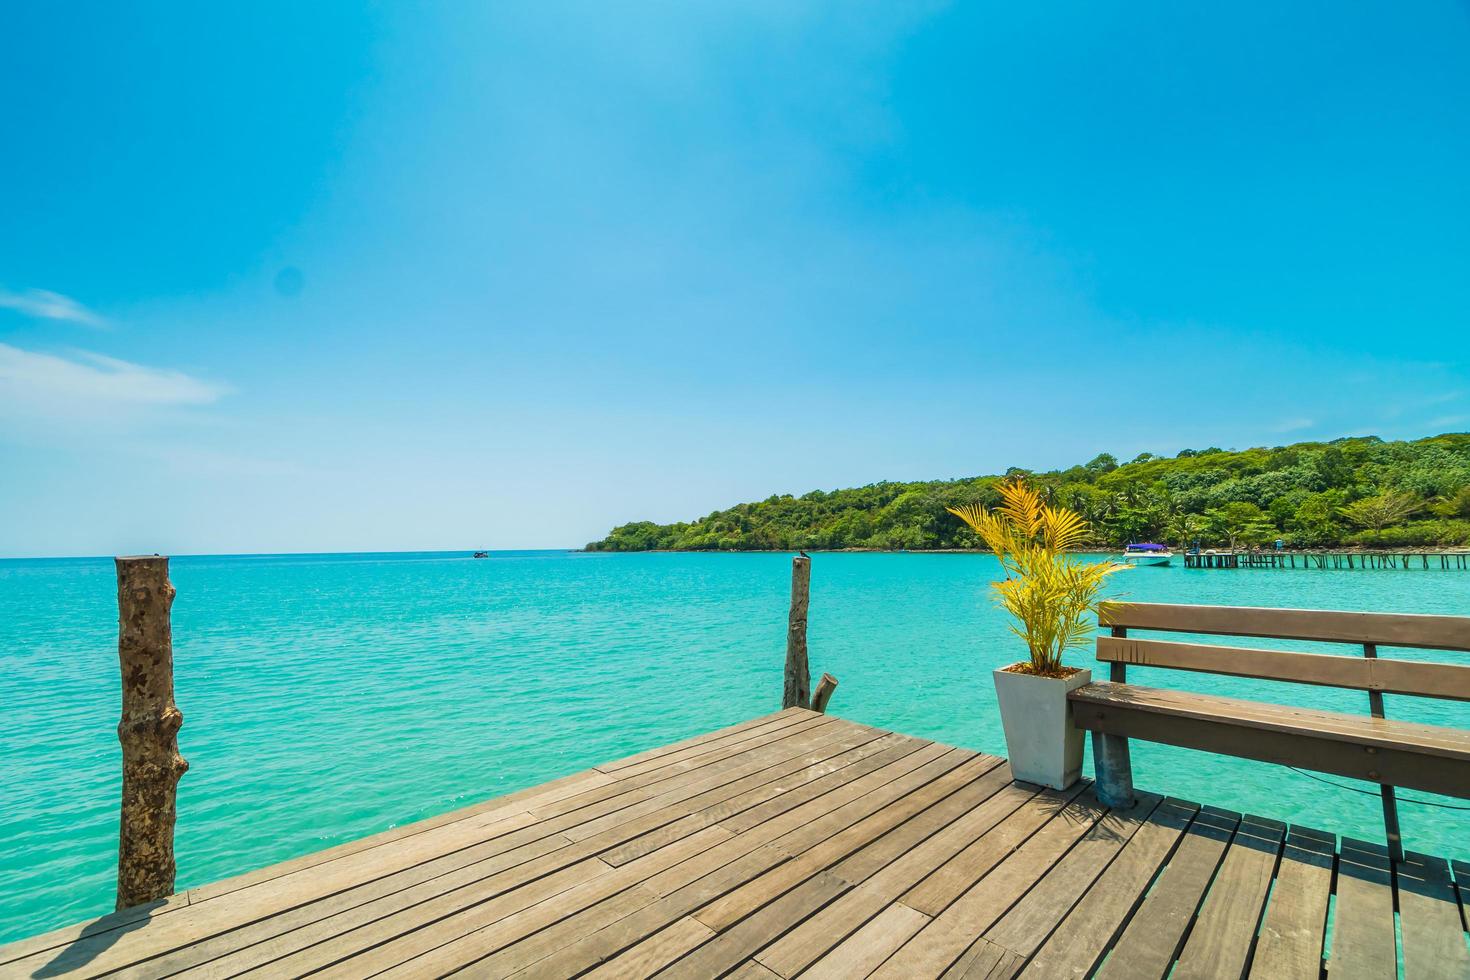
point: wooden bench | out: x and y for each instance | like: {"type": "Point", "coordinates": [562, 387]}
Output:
{"type": "Point", "coordinates": [1370, 747]}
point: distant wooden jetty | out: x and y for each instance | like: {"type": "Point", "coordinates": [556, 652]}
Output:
{"type": "Point", "coordinates": [1329, 559]}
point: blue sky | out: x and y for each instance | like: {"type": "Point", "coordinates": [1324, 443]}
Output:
{"type": "Point", "coordinates": [287, 277]}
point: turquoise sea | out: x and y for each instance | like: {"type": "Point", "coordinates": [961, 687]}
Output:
{"type": "Point", "coordinates": [327, 697]}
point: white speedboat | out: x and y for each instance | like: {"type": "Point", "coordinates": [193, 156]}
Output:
{"type": "Point", "coordinates": [1147, 553]}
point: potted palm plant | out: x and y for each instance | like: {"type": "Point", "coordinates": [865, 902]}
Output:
{"type": "Point", "coordinates": [1052, 595]}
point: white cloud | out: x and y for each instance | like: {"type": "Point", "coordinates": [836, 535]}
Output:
{"type": "Point", "coordinates": [88, 385]}
{"type": "Point", "coordinates": [46, 305]}
{"type": "Point", "coordinates": [1293, 425]}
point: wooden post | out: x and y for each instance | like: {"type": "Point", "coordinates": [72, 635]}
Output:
{"type": "Point", "coordinates": [148, 732]}
{"type": "Point", "coordinates": [798, 689]}
{"type": "Point", "coordinates": [823, 693]}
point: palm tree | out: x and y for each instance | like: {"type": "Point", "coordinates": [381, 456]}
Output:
{"type": "Point", "coordinates": [1184, 528]}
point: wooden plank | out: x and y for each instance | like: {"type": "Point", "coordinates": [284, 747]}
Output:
{"type": "Point", "coordinates": [584, 940]}
{"type": "Point", "coordinates": [811, 939]}
{"type": "Point", "coordinates": [523, 955]}
{"type": "Point", "coordinates": [863, 864]}
{"type": "Point", "coordinates": [865, 950]}
{"type": "Point", "coordinates": [734, 906]}
{"type": "Point", "coordinates": [764, 763]}
{"type": "Point", "coordinates": [504, 933]}
{"type": "Point", "coordinates": [1076, 946]}
{"type": "Point", "coordinates": [480, 814]}
{"type": "Point", "coordinates": [985, 960]}
{"type": "Point", "coordinates": [100, 933]}
{"type": "Point", "coordinates": [788, 716]}
{"type": "Point", "coordinates": [464, 937]}
{"type": "Point", "coordinates": [1453, 743]}
{"type": "Point", "coordinates": [1292, 934]}
{"type": "Point", "coordinates": [899, 747]}
{"type": "Point", "coordinates": [661, 949]}
{"type": "Point", "coordinates": [1451, 681]}
{"type": "Point", "coordinates": [1028, 923]}
{"type": "Point", "coordinates": [1384, 629]}
{"type": "Point", "coordinates": [733, 799]}
{"type": "Point", "coordinates": [957, 875]}
{"type": "Point", "coordinates": [802, 846]}
{"type": "Point", "coordinates": [456, 878]}
{"type": "Point", "coordinates": [1363, 943]}
{"type": "Point", "coordinates": [303, 887]}
{"type": "Point", "coordinates": [1374, 749]}
{"type": "Point", "coordinates": [268, 939]}
{"type": "Point", "coordinates": [1221, 941]}
{"type": "Point", "coordinates": [659, 771]}
{"type": "Point", "coordinates": [347, 910]}
{"type": "Point", "coordinates": [1429, 920]}
{"type": "Point", "coordinates": [942, 942]}
{"type": "Point", "coordinates": [740, 940]}
{"type": "Point", "coordinates": [795, 884]}
{"type": "Point", "coordinates": [1152, 937]}
{"type": "Point", "coordinates": [357, 953]}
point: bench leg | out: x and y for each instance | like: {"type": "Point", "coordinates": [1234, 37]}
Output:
{"type": "Point", "coordinates": [1391, 825]}
{"type": "Point", "coordinates": [1113, 769]}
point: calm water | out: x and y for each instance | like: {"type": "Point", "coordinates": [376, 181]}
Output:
{"type": "Point", "coordinates": [328, 697]}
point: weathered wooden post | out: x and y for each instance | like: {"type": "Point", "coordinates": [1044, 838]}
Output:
{"type": "Point", "coordinates": [823, 693]}
{"type": "Point", "coordinates": [148, 731]}
{"type": "Point", "coordinates": [798, 690]}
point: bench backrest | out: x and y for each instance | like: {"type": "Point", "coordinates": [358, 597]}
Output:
{"type": "Point", "coordinates": [1364, 671]}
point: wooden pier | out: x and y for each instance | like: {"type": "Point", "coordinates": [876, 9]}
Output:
{"type": "Point", "coordinates": [1330, 559]}
{"type": "Point", "coordinates": [799, 843]}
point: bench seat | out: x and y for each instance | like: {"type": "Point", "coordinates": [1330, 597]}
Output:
{"type": "Point", "coordinates": [1385, 751]}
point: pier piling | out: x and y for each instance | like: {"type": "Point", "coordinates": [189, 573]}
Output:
{"type": "Point", "coordinates": [823, 693]}
{"type": "Point", "coordinates": [798, 688]}
{"type": "Point", "coordinates": [148, 732]}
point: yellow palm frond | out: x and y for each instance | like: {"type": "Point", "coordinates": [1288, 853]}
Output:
{"type": "Point", "coordinates": [1051, 594]}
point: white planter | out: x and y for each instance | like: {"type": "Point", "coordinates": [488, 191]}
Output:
{"type": "Point", "coordinates": [1043, 744]}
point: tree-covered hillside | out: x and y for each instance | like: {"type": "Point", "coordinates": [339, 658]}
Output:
{"type": "Point", "coordinates": [1359, 491]}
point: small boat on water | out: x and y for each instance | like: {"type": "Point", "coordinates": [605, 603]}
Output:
{"type": "Point", "coordinates": [1146, 553]}
{"type": "Point", "coordinates": [482, 554]}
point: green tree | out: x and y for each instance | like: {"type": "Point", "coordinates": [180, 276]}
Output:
{"type": "Point", "coordinates": [1315, 520]}
{"type": "Point", "coordinates": [1382, 510]}
{"type": "Point", "coordinates": [1240, 523]}
{"type": "Point", "coordinates": [1101, 463]}
{"type": "Point", "coordinates": [1304, 489]}
{"type": "Point", "coordinates": [1185, 529]}
{"type": "Point", "coordinates": [1456, 505]}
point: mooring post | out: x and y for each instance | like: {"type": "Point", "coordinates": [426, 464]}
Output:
{"type": "Point", "coordinates": [823, 693]}
{"type": "Point", "coordinates": [798, 688]}
{"type": "Point", "coordinates": [148, 732]}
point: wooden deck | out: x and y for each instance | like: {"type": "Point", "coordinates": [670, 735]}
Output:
{"type": "Point", "coordinates": [801, 844]}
